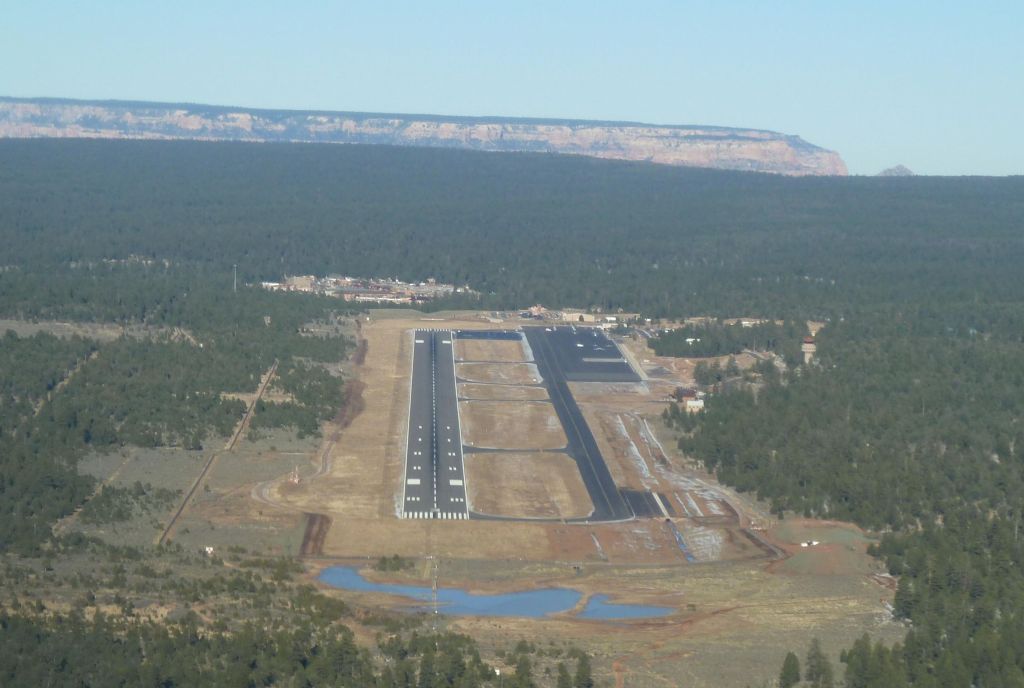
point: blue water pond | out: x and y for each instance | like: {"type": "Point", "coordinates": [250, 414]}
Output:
{"type": "Point", "coordinates": [598, 607]}
{"type": "Point", "coordinates": [528, 603]}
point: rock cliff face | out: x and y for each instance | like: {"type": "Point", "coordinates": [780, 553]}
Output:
{"type": "Point", "coordinates": [696, 146]}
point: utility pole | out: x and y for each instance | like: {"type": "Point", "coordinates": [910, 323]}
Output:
{"type": "Point", "coordinates": [433, 591]}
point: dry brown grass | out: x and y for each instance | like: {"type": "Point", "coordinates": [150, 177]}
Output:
{"type": "Point", "coordinates": [361, 486]}
{"type": "Point", "coordinates": [622, 453]}
{"type": "Point", "coordinates": [464, 540]}
{"type": "Point", "coordinates": [498, 350]}
{"type": "Point", "coordinates": [472, 391]}
{"type": "Point", "coordinates": [526, 485]}
{"type": "Point", "coordinates": [499, 373]}
{"type": "Point", "coordinates": [511, 425]}
{"type": "Point", "coordinates": [735, 622]}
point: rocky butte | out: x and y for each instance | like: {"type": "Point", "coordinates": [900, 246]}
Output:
{"type": "Point", "coordinates": [696, 146]}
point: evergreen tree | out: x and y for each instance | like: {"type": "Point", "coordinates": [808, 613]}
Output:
{"type": "Point", "coordinates": [732, 368]}
{"type": "Point", "coordinates": [427, 675]}
{"type": "Point", "coordinates": [523, 677]}
{"type": "Point", "coordinates": [818, 671]}
{"type": "Point", "coordinates": [564, 679]}
{"type": "Point", "coordinates": [790, 674]}
{"type": "Point", "coordinates": [583, 678]}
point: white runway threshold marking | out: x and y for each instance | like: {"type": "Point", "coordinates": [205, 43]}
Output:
{"type": "Point", "coordinates": [443, 515]}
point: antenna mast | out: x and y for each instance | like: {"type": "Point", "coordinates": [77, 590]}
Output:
{"type": "Point", "coordinates": [433, 592]}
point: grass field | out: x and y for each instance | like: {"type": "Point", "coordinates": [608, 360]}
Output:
{"type": "Point", "coordinates": [225, 512]}
{"type": "Point", "coordinates": [499, 392]}
{"type": "Point", "coordinates": [511, 425]}
{"type": "Point", "coordinates": [499, 373]}
{"type": "Point", "coordinates": [497, 350]}
{"type": "Point", "coordinates": [168, 468]}
{"type": "Point", "coordinates": [526, 485]}
{"type": "Point", "coordinates": [734, 621]}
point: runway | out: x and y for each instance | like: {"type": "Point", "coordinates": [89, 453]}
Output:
{"type": "Point", "coordinates": [587, 355]}
{"type": "Point", "coordinates": [435, 478]}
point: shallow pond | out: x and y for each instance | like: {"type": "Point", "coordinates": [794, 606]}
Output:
{"type": "Point", "coordinates": [598, 607]}
{"type": "Point", "coordinates": [528, 603]}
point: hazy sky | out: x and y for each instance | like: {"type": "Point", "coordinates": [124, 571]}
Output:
{"type": "Point", "coordinates": [937, 86]}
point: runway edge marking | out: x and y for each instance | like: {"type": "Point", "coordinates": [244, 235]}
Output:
{"type": "Point", "coordinates": [458, 416]}
{"type": "Point", "coordinates": [408, 422]}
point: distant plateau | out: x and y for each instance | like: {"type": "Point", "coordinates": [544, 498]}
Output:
{"type": "Point", "coordinates": [715, 147]}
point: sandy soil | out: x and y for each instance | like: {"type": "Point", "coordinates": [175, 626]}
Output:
{"type": "Point", "coordinates": [526, 485]}
{"type": "Point", "coordinates": [499, 350]}
{"type": "Point", "coordinates": [504, 373]}
{"type": "Point", "coordinates": [511, 425]}
{"type": "Point", "coordinates": [499, 392]}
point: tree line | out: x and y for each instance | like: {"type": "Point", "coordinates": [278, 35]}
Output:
{"type": "Point", "coordinates": [912, 429]}
{"type": "Point", "coordinates": [519, 229]}
{"type": "Point", "coordinates": [164, 387]}
{"type": "Point", "coordinates": [70, 650]}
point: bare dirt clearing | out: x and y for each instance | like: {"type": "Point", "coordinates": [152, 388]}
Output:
{"type": "Point", "coordinates": [103, 332]}
{"type": "Point", "coordinates": [677, 371]}
{"type": "Point", "coordinates": [526, 485]}
{"type": "Point", "coordinates": [511, 425]}
{"type": "Point", "coordinates": [224, 512]}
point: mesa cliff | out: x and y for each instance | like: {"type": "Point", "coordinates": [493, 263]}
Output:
{"type": "Point", "coordinates": [696, 146]}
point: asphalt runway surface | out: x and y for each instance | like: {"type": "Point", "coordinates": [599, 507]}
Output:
{"type": "Point", "coordinates": [435, 477]}
{"type": "Point", "coordinates": [555, 352]}
{"type": "Point", "coordinates": [584, 354]}
{"type": "Point", "coordinates": [507, 335]}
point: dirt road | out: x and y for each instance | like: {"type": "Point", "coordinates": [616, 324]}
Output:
{"type": "Point", "coordinates": [242, 424]}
